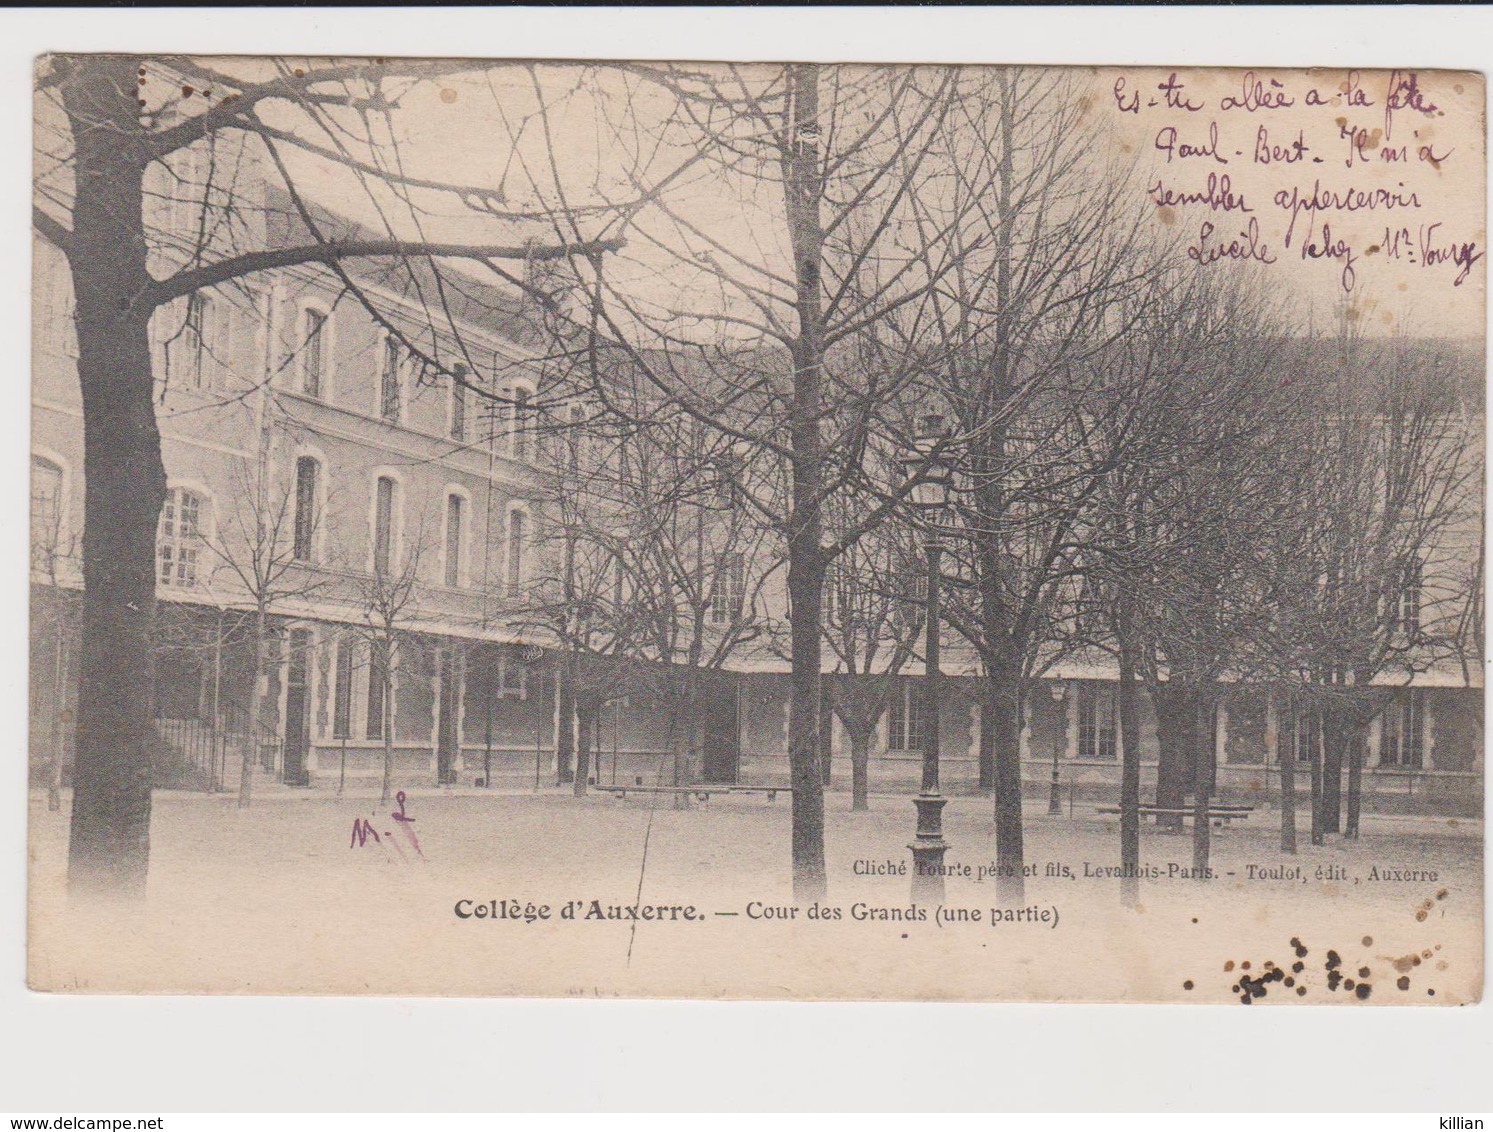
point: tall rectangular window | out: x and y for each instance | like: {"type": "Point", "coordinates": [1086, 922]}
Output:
{"type": "Point", "coordinates": [305, 506]}
{"type": "Point", "coordinates": [378, 661]}
{"type": "Point", "coordinates": [342, 700]}
{"type": "Point", "coordinates": [1096, 721]}
{"type": "Point", "coordinates": [313, 354]}
{"type": "Point", "coordinates": [1407, 599]}
{"type": "Point", "coordinates": [458, 409]}
{"type": "Point", "coordinates": [520, 433]}
{"type": "Point", "coordinates": [1402, 731]}
{"type": "Point", "coordinates": [515, 553]}
{"type": "Point", "coordinates": [46, 513]}
{"type": "Point", "coordinates": [727, 595]}
{"type": "Point", "coordinates": [177, 536]}
{"type": "Point", "coordinates": [383, 525]}
{"type": "Point", "coordinates": [905, 719]}
{"type": "Point", "coordinates": [391, 396]}
{"type": "Point", "coordinates": [453, 541]}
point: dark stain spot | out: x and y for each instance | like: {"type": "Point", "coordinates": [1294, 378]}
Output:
{"type": "Point", "coordinates": [1431, 992]}
{"type": "Point", "coordinates": [1290, 982]}
{"type": "Point", "coordinates": [1229, 966]}
{"type": "Point", "coordinates": [1403, 982]}
{"type": "Point", "coordinates": [1187, 984]}
{"type": "Point", "coordinates": [1301, 991]}
{"type": "Point", "coordinates": [1348, 984]}
{"type": "Point", "coordinates": [1244, 966]}
{"type": "Point", "coordinates": [1363, 990]}
{"type": "Point", "coordinates": [186, 90]}
{"type": "Point", "coordinates": [1194, 919]}
{"type": "Point", "coordinates": [1442, 895]}
{"type": "Point", "coordinates": [1368, 940]}
{"type": "Point", "coordinates": [1420, 915]}
{"type": "Point", "coordinates": [1298, 967]}
{"type": "Point", "coordinates": [1364, 972]}
{"type": "Point", "coordinates": [1235, 988]}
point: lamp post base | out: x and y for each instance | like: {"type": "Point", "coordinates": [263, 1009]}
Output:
{"type": "Point", "coordinates": [1055, 795]}
{"type": "Point", "coordinates": [928, 848]}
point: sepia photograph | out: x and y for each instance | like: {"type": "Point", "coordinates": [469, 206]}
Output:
{"type": "Point", "coordinates": [723, 530]}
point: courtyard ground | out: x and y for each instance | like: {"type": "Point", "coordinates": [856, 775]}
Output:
{"type": "Point", "coordinates": [308, 892]}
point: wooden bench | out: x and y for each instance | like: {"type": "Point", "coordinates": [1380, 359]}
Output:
{"type": "Point", "coordinates": [701, 792]}
{"type": "Point", "coordinates": [1219, 812]}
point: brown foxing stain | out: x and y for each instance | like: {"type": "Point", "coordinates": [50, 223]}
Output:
{"type": "Point", "coordinates": [448, 95]}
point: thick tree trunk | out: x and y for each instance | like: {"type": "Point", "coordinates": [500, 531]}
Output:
{"type": "Point", "coordinates": [1129, 708]}
{"type": "Point", "coordinates": [1175, 764]}
{"type": "Point", "coordinates": [803, 190]}
{"type": "Point", "coordinates": [1202, 737]}
{"type": "Point", "coordinates": [109, 847]}
{"type": "Point", "coordinates": [1003, 707]}
{"type": "Point", "coordinates": [1288, 790]}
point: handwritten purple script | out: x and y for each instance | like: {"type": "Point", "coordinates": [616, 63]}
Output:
{"type": "Point", "coordinates": [365, 831]}
{"type": "Point", "coordinates": [1332, 172]}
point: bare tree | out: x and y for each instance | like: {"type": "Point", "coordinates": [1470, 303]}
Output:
{"type": "Point", "coordinates": [108, 125]}
{"type": "Point", "coordinates": [266, 545]}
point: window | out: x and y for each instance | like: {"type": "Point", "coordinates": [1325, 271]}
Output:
{"type": "Point", "coordinates": [383, 524]}
{"type": "Point", "coordinates": [178, 535]}
{"type": "Point", "coordinates": [391, 396]}
{"type": "Point", "coordinates": [727, 594]}
{"type": "Point", "coordinates": [313, 351]}
{"type": "Point", "coordinates": [46, 513]}
{"type": "Point", "coordinates": [520, 430]}
{"type": "Point", "coordinates": [1402, 731]}
{"type": "Point", "coordinates": [1096, 721]}
{"type": "Point", "coordinates": [512, 679]}
{"type": "Point", "coordinates": [458, 407]}
{"type": "Point", "coordinates": [1406, 613]}
{"type": "Point", "coordinates": [720, 480]}
{"type": "Point", "coordinates": [515, 552]}
{"type": "Point", "coordinates": [453, 541]}
{"type": "Point", "coordinates": [904, 724]}
{"type": "Point", "coordinates": [342, 699]}
{"type": "Point", "coordinates": [306, 469]}
{"type": "Point", "coordinates": [194, 354]}
{"type": "Point", "coordinates": [907, 613]}
{"type": "Point", "coordinates": [379, 661]}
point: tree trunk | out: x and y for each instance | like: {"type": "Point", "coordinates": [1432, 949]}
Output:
{"type": "Point", "coordinates": [803, 190]}
{"type": "Point", "coordinates": [826, 733]}
{"type": "Point", "coordinates": [1175, 764]}
{"type": "Point", "coordinates": [1314, 751]}
{"type": "Point", "coordinates": [1356, 740]}
{"type": "Point", "coordinates": [386, 685]}
{"type": "Point", "coordinates": [585, 714]}
{"type": "Point", "coordinates": [109, 845]}
{"type": "Point", "coordinates": [860, 758]}
{"type": "Point", "coordinates": [1203, 742]}
{"type": "Point", "coordinates": [59, 696]}
{"type": "Point", "coordinates": [565, 722]}
{"type": "Point", "coordinates": [1288, 789]}
{"type": "Point", "coordinates": [1003, 706]}
{"type": "Point", "coordinates": [1129, 709]}
{"type": "Point", "coordinates": [256, 719]}
{"type": "Point", "coordinates": [1333, 742]}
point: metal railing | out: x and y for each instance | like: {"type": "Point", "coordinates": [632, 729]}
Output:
{"type": "Point", "coordinates": [193, 753]}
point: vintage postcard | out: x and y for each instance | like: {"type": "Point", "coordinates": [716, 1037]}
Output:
{"type": "Point", "coordinates": [779, 531]}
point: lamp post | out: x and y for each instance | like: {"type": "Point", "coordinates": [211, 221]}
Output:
{"type": "Point", "coordinates": [1054, 798]}
{"type": "Point", "coordinates": [932, 469]}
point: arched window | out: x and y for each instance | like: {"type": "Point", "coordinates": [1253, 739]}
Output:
{"type": "Point", "coordinates": [307, 471]}
{"type": "Point", "coordinates": [520, 420]}
{"type": "Point", "coordinates": [385, 498]}
{"type": "Point", "coordinates": [454, 518]}
{"type": "Point", "coordinates": [516, 535]}
{"type": "Point", "coordinates": [179, 538]}
{"type": "Point", "coordinates": [46, 513]}
{"type": "Point", "coordinates": [313, 351]}
{"type": "Point", "coordinates": [459, 406]}
{"type": "Point", "coordinates": [391, 395]}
